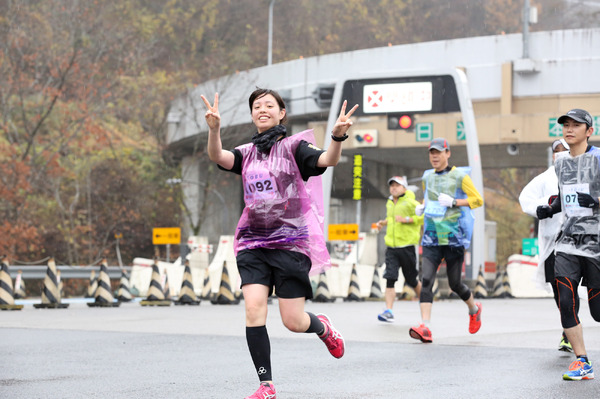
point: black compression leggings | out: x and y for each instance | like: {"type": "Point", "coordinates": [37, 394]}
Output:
{"type": "Point", "coordinates": [568, 302]}
{"type": "Point", "coordinates": [453, 268]}
{"type": "Point", "coordinates": [260, 351]}
{"type": "Point", "coordinates": [594, 302]}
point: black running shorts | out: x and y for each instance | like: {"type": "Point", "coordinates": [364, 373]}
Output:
{"type": "Point", "coordinates": [549, 268]}
{"type": "Point", "coordinates": [284, 271]}
{"type": "Point", "coordinates": [405, 258]}
{"type": "Point", "coordinates": [576, 267]}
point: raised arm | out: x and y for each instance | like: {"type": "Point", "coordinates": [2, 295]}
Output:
{"type": "Point", "coordinates": [214, 147]}
{"type": "Point", "coordinates": [334, 151]}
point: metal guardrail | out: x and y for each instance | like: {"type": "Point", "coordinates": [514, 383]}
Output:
{"type": "Point", "coordinates": [31, 272]}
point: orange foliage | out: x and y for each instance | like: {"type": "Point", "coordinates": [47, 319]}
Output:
{"type": "Point", "coordinates": [18, 239]}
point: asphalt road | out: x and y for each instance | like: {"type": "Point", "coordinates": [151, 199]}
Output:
{"type": "Point", "coordinates": [200, 352]}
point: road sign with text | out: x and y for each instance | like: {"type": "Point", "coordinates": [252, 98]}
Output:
{"type": "Point", "coordinates": [166, 235]}
{"type": "Point", "coordinates": [554, 128]}
{"type": "Point", "coordinates": [343, 232]}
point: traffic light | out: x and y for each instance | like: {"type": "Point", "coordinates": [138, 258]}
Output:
{"type": "Point", "coordinates": [401, 122]}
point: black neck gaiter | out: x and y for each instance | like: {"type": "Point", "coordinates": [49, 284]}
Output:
{"type": "Point", "coordinates": [265, 140]}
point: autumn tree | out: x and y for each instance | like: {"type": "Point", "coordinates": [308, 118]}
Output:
{"type": "Point", "coordinates": [59, 110]}
{"type": "Point", "coordinates": [502, 190]}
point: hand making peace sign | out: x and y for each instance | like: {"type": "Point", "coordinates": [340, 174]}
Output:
{"type": "Point", "coordinates": [213, 118]}
{"type": "Point", "coordinates": [343, 122]}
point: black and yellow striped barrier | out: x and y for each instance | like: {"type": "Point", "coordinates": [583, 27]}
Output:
{"type": "Point", "coordinates": [92, 286]}
{"type": "Point", "coordinates": [51, 297]}
{"type": "Point", "coordinates": [206, 287]}
{"type": "Point", "coordinates": [322, 293]}
{"type": "Point", "coordinates": [7, 300]}
{"type": "Point", "coordinates": [124, 292]}
{"type": "Point", "coordinates": [187, 296]}
{"type": "Point", "coordinates": [354, 288]}
{"type": "Point", "coordinates": [376, 294]}
{"type": "Point", "coordinates": [103, 296]}
{"type": "Point", "coordinates": [480, 290]}
{"type": "Point", "coordinates": [225, 296]}
{"type": "Point", "coordinates": [156, 296]}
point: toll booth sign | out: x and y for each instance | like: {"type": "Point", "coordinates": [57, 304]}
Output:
{"type": "Point", "coordinates": [357, 173]}
{"type": "Point", "coordinates": [166, 235]}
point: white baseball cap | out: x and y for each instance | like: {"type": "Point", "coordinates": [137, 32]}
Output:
{"type": "Point", "coordinates": [561, 141]}
{"type": "Point", "coordinates": [398, 179]}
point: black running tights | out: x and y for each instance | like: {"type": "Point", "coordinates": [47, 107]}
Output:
{"type": "Point", "coordinates": [568, 301]}
{"type": "Point", "coordinates": [453, 268]}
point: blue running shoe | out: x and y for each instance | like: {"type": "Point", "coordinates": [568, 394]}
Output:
{"type": "Point", "coordinates": [579, 370]}
{"type": "Point", "coordinates": [386, 316]}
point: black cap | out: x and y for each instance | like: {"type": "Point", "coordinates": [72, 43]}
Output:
{"type": "Point", "coordinates": [440, 144]}
{"type": "Point", "coordinates": [579, 115]}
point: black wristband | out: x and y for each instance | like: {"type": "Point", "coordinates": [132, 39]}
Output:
{"type": "Point", "coordinates": [335, 138]}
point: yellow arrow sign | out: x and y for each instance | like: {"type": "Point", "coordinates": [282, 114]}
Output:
{"type": "Point", "coordinates": [166, 235]}
{"type": "Point", "coordinates": [343, 232]}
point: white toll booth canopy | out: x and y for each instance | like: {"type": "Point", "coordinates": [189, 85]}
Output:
{"type": "Point", "coordinates": [476, 260]}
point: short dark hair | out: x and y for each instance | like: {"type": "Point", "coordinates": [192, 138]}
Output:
{"type": "Point", "coordinates": [259, 93]}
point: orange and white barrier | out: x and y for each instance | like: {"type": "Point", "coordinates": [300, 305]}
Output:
{"type": "Point", "coordinates": [204, 249]}
{"type": "Point", "coordinates": [141, 275]}
{"type": "Point", "coordinates": [522, 274]}
{"type": "Point", "coordinates": [526, 281]}
{"type": "Point", "coordinates": [224, 255]}
{"type": "Point", "coordinates": [363, 254]}
{"type": "Point", "coordinates": [198, 258]}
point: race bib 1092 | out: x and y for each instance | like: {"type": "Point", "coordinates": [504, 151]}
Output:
{"type": "Point", "coordinates": [259, 185]}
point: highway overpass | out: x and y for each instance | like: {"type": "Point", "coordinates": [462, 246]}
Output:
{"type": "Point", "coordinates": [515, 102]}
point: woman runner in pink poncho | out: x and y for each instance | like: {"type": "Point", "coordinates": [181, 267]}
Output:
{"type": "Point", "coordinates": [278, 238]}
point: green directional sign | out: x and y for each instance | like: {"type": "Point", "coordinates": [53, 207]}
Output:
{"type": "Point", "coordinates": [596, 126]}
{"type": "Point", "coordinates": [554, 128]}
{"type": "Point", "coordinates": [461, 135]}
{"type": "Point", "coordinates": [530, 246]}
{"type": "Point", "coordinates": [424, 132]}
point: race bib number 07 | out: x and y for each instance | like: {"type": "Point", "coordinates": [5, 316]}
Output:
{"type": "Point", "coordinates": [570, 202]}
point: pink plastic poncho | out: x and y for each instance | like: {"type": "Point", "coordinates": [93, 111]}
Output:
{"type": "Point", "coordinates": [282, 211]}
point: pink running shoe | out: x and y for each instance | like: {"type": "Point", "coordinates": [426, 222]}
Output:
{"type": "Point", "coordinates": [265, 391]}
{"type": "Point", "coordinates": [332, 338]}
